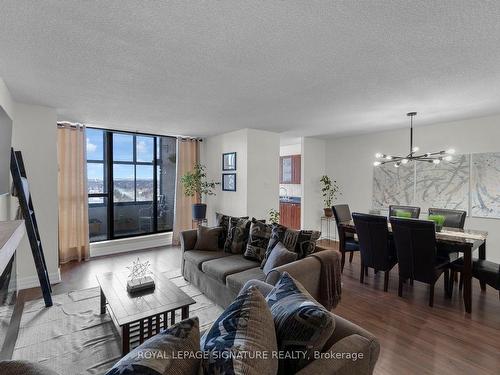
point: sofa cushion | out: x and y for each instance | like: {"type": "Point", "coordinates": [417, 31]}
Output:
{"type": "Point", "coordinates": [157, 355]}
{"type": "Point", "coordinates": [286, 236]}
{"type": "Point", "coordinates": [258, 240]}
{"type": "Point", "coordinates": [223, 221]}
{"type": "Point", "coordinates": [237, 236]}
{"type": "Point", "coordinates": [236, 281]}
{"type": "Point", "coordinates": [301, 323]}
{"type": "Point", "coordinates": [245, 327]}
{"type": "Point", "coordinates": [279, 257]}
{"type": "Point", "coordinates": [198, 257]}
{"type": "Point", "coordinates": [25, 368]}
{"type": "Point", "coordinates": [207, 238]}
{"type": "Point", "coordinates": [220, 268]}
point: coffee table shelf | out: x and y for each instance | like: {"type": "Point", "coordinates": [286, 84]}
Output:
{"type": "Point", "coordinates": [141, 315]}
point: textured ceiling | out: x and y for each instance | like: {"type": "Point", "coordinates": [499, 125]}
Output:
{"type": "Point", "coordinates": [300, 67]}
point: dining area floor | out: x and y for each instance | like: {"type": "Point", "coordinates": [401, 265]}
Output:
{"type": "Point", "coordinates": [416, 338]}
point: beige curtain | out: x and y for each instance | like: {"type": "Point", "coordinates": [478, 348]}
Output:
{"type": "Point", "coordinates": [187, 157]}
{"type": "Point", "coordinates": [73, 200]}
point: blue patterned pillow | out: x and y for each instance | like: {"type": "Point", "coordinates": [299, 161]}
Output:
{"type": "Point", "coordinates": [302, 325]}
{"type": "Point", "coordinates": [157, 356]}
{"type": "Point", "coordinates": [245, 329]}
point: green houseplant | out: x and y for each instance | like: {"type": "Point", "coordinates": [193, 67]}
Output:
{"type": "Point", "coordinates": [330, 190]}
{"type": "Point", "coordinates": [438, 220]}
{"type": "Point", "coordinates": [274, 216]}
{"type": "Point", "coordinates": [195, 184]}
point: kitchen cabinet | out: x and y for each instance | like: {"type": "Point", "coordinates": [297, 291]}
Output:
{"type": "Point", "coordinates": [290, 169]}
{"type": "Point", "coordinates": [290, 215]}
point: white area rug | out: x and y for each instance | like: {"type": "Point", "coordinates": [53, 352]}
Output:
{"type": "Point", "coordinates": [71, 337]}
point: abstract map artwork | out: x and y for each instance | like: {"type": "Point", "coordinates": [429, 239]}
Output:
{"type": "Point", "coordinates": [485, 185]}
{"type": "Point", "coordinates": [393, 185]}
{"type": "Point", "coordinates": [444, 185]}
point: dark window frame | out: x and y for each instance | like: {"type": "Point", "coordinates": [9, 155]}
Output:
{"type": "Point", "coordinates": [108, 163]}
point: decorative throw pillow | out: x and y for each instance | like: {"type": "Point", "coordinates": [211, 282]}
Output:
{"type": "Point", "coordinates": [244, 329]}
{"type": "Point", "coordinates": [279, 233]}
{"type": "Point", "coordinates": [223, 221]}
{"type": "Point", "coordinates": [237, 236]}
{"type": "Point", "coordinates": [258, 240]}
{"type": "Point", "coordinates": [278, 257]}
{"type": "Point", "coordinates": [302, 325]}
{"type": "Point", "coordinates": [157, 356]}
{"type": "Point", "coordinates": [306, 242]}
{"type": "Point", "coordinates": [207, 238]}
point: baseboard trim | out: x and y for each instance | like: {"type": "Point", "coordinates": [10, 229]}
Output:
{"type": "Point", "coordinates": [33, 282]}
{"type": "Point", "coordinates": [130, 244]}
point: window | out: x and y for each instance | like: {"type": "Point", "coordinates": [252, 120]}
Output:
{"type": "Point", "coordinates": [131, 183]}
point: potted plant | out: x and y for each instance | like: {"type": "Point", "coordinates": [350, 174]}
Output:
{"type": "Point", "coordinates": [274, 216]}
{"type": "Point", "coordinates": [196, 185]}
{"type": "Point", "coordinates": [330, 191]}
{"type": "Point", "coordinates": [438, 220]}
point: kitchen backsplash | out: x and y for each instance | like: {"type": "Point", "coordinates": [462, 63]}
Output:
{"type": "Point", "coordinates": [293, 190]}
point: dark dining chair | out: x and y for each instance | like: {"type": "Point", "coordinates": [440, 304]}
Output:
{"type": "Point", "coordinates": [347, 242]}
{"type": "Point", "coordinates": [452, 218]}
{"type": "Point", "coordinates": [415, 242]}
{"type": "Point", "coordinates": [414, 211]}
{"type": "Point", "coordinates": [487, 272]}
{"type": "Point", "coordinates": [375, 246]}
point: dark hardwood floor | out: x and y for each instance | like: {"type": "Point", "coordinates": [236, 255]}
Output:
{"type": "Point", "coordinates": [414, 338]}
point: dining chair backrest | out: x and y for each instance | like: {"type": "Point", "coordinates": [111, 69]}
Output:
{"type": "Point", "coordinates": [415, 242]}
{"type": "Point", "coordinates": [341, 212]}
{"type": "Point", "coordinates": [374, 241]}
{"type": "Point", "coordinates": [452, 218]}
{"type": "Point", "coordinates": [414, 211]}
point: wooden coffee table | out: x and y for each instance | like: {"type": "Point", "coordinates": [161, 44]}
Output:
{"type": "Point", "coordinates": [141, 315]}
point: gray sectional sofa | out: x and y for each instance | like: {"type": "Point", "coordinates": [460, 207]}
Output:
{"type": "Point", "coordinates": [220, 275]}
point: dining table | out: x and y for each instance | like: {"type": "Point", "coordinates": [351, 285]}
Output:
{"type": "Point", "coordinates": [465, 241]}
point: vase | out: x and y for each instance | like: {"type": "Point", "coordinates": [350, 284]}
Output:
{"type": "Point", "coordinates": [199, 211]}
{"type": "Point", "coordinates": [328, 212]}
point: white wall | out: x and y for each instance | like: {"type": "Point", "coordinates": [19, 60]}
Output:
{"type": "Point", "coordinates": [7, 105]}
{"type": "Point", "coordinates": [35, 134]}
{"type": "Point", "coordinates": [312, 168]}
{"type": "Point", "coordinates": [349, 160]}
{"type": "Point", "coordinates": [263, 151]}
{"type": "Point", "coordinates": [257, 188]}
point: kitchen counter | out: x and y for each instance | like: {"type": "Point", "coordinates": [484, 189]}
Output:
{"type": "Point", "coordinates": [293, 200]}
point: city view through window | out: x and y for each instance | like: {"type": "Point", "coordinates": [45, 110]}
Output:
{"type": "Point", "coordinates": [123, 172]}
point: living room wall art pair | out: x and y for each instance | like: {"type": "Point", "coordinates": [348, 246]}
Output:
{"type": "Point", "coordinates": [229, 164]}
{"type": "Point", "coordinates": [471, 182]}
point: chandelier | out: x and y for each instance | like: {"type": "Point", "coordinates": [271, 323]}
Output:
{"type": "Point", "coordinates": [430, 157]}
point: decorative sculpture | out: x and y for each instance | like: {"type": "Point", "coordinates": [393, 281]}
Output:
{"type": "Point", "coordinates": [139, 279]}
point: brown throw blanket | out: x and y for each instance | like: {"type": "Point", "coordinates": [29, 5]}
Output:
{"type": "Point", "coordinates": [330, 279]}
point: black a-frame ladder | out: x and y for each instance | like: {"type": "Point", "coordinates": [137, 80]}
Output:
{"type": "Point", "coordinates": [21, 185]}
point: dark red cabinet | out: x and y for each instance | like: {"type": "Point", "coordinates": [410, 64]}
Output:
{"type": "Point", "coordinates": [290, 169]}
{"type": "Point", "coordinates": [290, 215]}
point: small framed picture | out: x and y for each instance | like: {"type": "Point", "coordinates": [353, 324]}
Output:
{"type": "Point", "coordinates": [229, 181]}
{"type": "Point", "coordinates": [229, 161]}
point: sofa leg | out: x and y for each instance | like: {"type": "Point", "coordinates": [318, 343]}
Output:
{"type": "Point", "coordinates": [400, 287]}
{"type": "Point", "coordinates": [431, 295]}
{"type": "Point", "coordinates": [386, 281]}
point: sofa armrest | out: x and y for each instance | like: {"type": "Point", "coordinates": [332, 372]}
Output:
{"type": "Point", "coordinates": [188, 239]}
{"type": "Point", "coordinates": [264, 288]}
{"type": "Point", "coordinates": [353, 355]}
{"type": "Point", "coordinates": [306, 271]}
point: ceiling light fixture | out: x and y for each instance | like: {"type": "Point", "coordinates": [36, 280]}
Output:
{"type": "Point", "coordinates": [430, 157]}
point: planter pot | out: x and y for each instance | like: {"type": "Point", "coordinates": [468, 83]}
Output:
{"type": "Point", "coordinates": [438, 228]}
{"type": "Point", "coordinates": [199, 211]}
{"type": "Point", "coordinates": [328, 212]}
